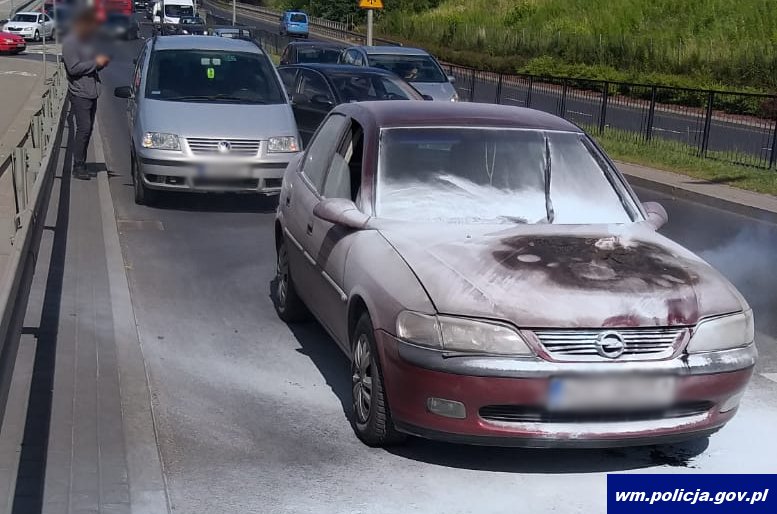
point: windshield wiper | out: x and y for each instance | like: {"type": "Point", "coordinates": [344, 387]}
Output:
{"type": "Point", "coordinates": [549, 214]}
{"type": "Point", "coordinates": [228, 98]}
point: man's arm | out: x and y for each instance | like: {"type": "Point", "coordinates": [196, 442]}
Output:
{"type": "Point", "coordinates": [73, 65]}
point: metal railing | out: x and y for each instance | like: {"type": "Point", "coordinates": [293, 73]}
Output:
{"type": "Point", "coordinates": [739, 128]}
{"type": "Point", "coordinates": [26, 167]}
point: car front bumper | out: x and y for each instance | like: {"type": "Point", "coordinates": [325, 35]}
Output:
{"type": "Point", "coordinates": [179, 175]}
{"type": "Point", "coordinates": [711, 383]}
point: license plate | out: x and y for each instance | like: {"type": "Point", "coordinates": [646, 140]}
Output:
{"type": "Point", "coordinates": [225, 171]}
{"type": "Point", "coordinates": [20, 45]}
{"type": "Point", "coordinates": [611, 392]}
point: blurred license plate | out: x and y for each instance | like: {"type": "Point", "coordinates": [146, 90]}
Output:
{"type": "Point", "coordinates": [225, 170]}
{"type": "Point", "coordinates": [611, 392]}
{"type": "Point", "coordinates": [21, 45]}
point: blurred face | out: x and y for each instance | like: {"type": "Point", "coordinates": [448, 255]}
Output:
{"type": "Point", "coordinates": [86, 27]}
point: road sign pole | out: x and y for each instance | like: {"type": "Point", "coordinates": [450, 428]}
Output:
{"type": "Point", "coordinates": [369, 27]}
{"type": "Point", "coordinates": [234, 8]}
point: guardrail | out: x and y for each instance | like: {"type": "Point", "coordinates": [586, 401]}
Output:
{"type": "Point", "coordinates": [28, 163]}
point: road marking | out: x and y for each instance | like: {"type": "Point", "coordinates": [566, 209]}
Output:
{"type": "Point", "coordinates": [18, 73]}
{"type": "Point", "coordinates": [770, 376]}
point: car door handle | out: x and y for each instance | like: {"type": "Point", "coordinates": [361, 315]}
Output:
{"type": "Point", "coordinates": [310, 228]}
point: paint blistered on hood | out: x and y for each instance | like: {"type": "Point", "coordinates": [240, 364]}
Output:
{"type": "Point", "coordinates": [564, 276]}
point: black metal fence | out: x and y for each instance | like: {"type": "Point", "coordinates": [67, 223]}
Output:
{"type": "Point", "coordinates": [732, 127]}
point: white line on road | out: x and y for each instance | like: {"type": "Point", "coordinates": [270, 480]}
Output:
{"type": "Point", "coordinates": [770, 376]}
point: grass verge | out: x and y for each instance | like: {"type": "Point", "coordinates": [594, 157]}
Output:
{"type": "Point", "coordinates": [668, 156]}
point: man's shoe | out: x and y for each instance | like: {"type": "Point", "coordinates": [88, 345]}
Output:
{"type": "Point", "coordinates": [80, 173]}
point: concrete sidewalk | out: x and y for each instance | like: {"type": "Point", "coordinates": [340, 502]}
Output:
{"type": "Point", "coordinates": [89, 440]}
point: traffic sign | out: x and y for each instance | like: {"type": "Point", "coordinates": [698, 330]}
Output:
{"type": "Point", "coordinates": [371, 4]}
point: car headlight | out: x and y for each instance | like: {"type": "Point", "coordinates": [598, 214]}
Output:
{"type": "Point", "coordinates": [455, 97]}
{"type": "Point", "coordinates": [161, 141]}
{"type": "Point", "coordinates": [453, 334]}
{"type": "Point", "coordinates": [723, 333]}
{"type": "Point", "coordinates": [282, 144]}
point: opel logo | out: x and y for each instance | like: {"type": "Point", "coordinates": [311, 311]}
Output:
{"type": "Point", "coordinates": [224, 146]}
{"type": "Point", "coordinates": [610, 345]}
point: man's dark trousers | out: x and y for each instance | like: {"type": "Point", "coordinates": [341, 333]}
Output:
{"type": "Point", "coordinates": [83, 110]}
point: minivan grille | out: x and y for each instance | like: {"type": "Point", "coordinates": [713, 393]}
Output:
{"type": "Point", "coordinates": [239, 147]}
{"type": "Point", "coordinates": [639, 343]}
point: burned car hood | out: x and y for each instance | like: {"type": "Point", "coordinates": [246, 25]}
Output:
{"type": "Point", "coordinates": [563, 276]}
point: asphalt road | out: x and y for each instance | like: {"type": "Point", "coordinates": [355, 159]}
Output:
{"type": "Point", "coordinates": [251, 414]}
{"type": "Point", "coordinates": [745, 140]}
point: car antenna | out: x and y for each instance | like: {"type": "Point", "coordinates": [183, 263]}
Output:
{"type": "Point", "coordinates": [548, 202]}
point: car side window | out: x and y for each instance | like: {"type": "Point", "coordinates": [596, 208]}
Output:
{"type": "Point", "coordinates": [312, 84]}
{"type": "Point", "coordinates": [317, 158]}
{"type": "Point", "coordinates": [288, 75]}
{"type": "Point", "coordinates": [356, 58]}
{"type": "Point", "coordinates": [343, 179]}
{"type": "Point", "coordinates": [286, 54]}
{"type": "Point", "coordinates": [138, 75]}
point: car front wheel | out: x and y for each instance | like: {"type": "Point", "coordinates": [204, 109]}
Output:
{"type": "Point", "coordinates": [143, 195]}
{"type": "Point", "coordinates": [371, 416]}
{"type": "Point", "coordinates": [288, 304]}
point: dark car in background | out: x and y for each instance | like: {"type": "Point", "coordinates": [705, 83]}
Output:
{"type": "Point", "coordinates": [140, 5]}
{"type": "Point", "coordinates": [314, 89]}
{"type": "Point", "coordinates": [188, 26]}
{"type": "Point", "coordinates": [121, 26]}
{"type": "Point", "coordinates": [299, 52]}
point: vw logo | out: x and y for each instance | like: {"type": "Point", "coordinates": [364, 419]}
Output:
{"type": "Point", "coordinates": [224, 146]}
{"type": "Point", "coordinates": [610, 345]}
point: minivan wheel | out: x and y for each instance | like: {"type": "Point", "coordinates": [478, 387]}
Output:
{"type": "Point", "coordinates": [288, 304]}
{"type": "Point", "coordinates": [371, 416]}
{"type": "Point", "coordinates": [143, 195]}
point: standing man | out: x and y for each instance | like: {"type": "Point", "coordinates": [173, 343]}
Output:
{"type": "Point", "coordinates": [82, 64]}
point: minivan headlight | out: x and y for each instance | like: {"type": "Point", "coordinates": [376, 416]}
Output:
{"type": "Point", "coordinates": [455, 97]}
{"type": "Point", "coordinates": [161, 141]}
{"type": "Point", "coordinates": [464, 335]}
{"type": "Point", "coordinates": [723, 333]}
{"type": "Point", "coordinates": [282, 144]}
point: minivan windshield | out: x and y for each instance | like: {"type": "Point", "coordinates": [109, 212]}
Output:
{"type": "Point", "coordinates": [212, 76]}
{"type": "Point", "coordinates": [489, 175]}
{"type": "Point", "coordinates": [413, 68]}
{"type": "Point", "coordinates": [176, 11]}
{"type": "Point", "coordinates": [25, 18]}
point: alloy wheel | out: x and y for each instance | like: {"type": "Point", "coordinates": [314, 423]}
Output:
{"type": "Point", "coordinates": [283, 277]}
{"type": "Point", "coordinates": [362, 379]}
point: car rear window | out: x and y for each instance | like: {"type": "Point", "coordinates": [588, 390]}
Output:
{"type": "Point", "coordinates": [298, 18]}
{"type": "Point", "coordinates": [413, 68]}
{"type": "Point", "coordinates": [212, 76]}
{"type": "Point", "coordinates": [313, 54]}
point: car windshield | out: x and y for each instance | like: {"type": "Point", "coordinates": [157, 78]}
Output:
{"type": "Point", "coordinates": [212, 76]}
{"type": "Point", "coordinates": [311, 54]}
{"type": "Point", "coordinates": [298, 18]}
{"type": "Point", "coordinates": [470, 175]}
{"type": "Point", "coordinates": [413, 68]}
{"type": "Point", "coordinates": [25, 18]}
{"type": "Point", "coordinates": [176, 11]}
{"type": "Point", "coordinates": [366, 87]}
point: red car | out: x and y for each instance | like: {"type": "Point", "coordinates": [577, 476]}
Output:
{"type": "Point", "coordinates": [11, 43]}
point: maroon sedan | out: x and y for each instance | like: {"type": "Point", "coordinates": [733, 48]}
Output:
{"type": "Point", "coordinates": [495, 280]}
{"type": "Point", "coordinates": [11, 43]}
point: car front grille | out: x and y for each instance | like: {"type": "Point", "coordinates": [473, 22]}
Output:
{"type": "Point", "coordinates": [13, 29]}
{"type": "Point", "coordinates": [532, 414]}
{"type": "Point", "coordinates": [237, 147]}
{"type": "Point", "coordinates": [639, 343]}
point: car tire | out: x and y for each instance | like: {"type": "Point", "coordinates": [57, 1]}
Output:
{"type": "Point", "coordinates": [288, 304]}
{"type": "Point", "coordinates": [36, 37]}
{"type": "Point", "coordinates": [143, 194]}
{"type": "Point", "coordinates": [370, 416]}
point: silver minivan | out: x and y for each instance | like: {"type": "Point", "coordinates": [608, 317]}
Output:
{"type": "Point", "coordinates": [207, 114]}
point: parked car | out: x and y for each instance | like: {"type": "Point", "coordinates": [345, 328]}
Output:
{"type": "Point", "coordinates": [494, 279]}
{"type": "Point", "coordinates": [412, 64]}
{"type": "Point", "coordinates": [315, 89]}
{"type": "Point", "coordinates": [294, 23]}
{"type": "Point", "coordinates": [31, 25]}
{"type": "Point", "coordinates": [207, 114]}
{"type": "Point", "coordinates": [11, 43]}
{"type": "Point", "coordinates": [307, 52]}
{"type": "Point", "coordinates": [121, 26]}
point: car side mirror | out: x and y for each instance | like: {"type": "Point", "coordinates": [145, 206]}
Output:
{"type": "Point", "coordinates": [341, 211]}
{"type": "Point", "coordinates": [322, 101]}
{"type": "Point", "coordinates": [122, 92]}
{"type": "Point", "coordinates": [451, 79]}
{"type": "Point", "coordinates": [656, 214]}
{"type": "Point", "coordinates": [428, 98]}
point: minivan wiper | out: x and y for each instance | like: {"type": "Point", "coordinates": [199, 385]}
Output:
{"type": "Point", "coordinates": [549, 214]}
{"type": "Point", "coordinates": [210, 98]}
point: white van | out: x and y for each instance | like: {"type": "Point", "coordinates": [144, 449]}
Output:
{"type": "Point", "coordinates": [174, 10]}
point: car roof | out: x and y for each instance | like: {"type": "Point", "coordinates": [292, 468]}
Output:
{"type": "Point", "coordinates": [26, 12]}
{"type": "Point", "coordinates": [205, 43]}
{"type": "Point", "coordinates": [291, 11]}
{"type": "Point", "coordinates": [467, 114]}
{"type": "Point", "coordinates": [392, 50]}
{"type": "Point", "coordinates": [327, 68]}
